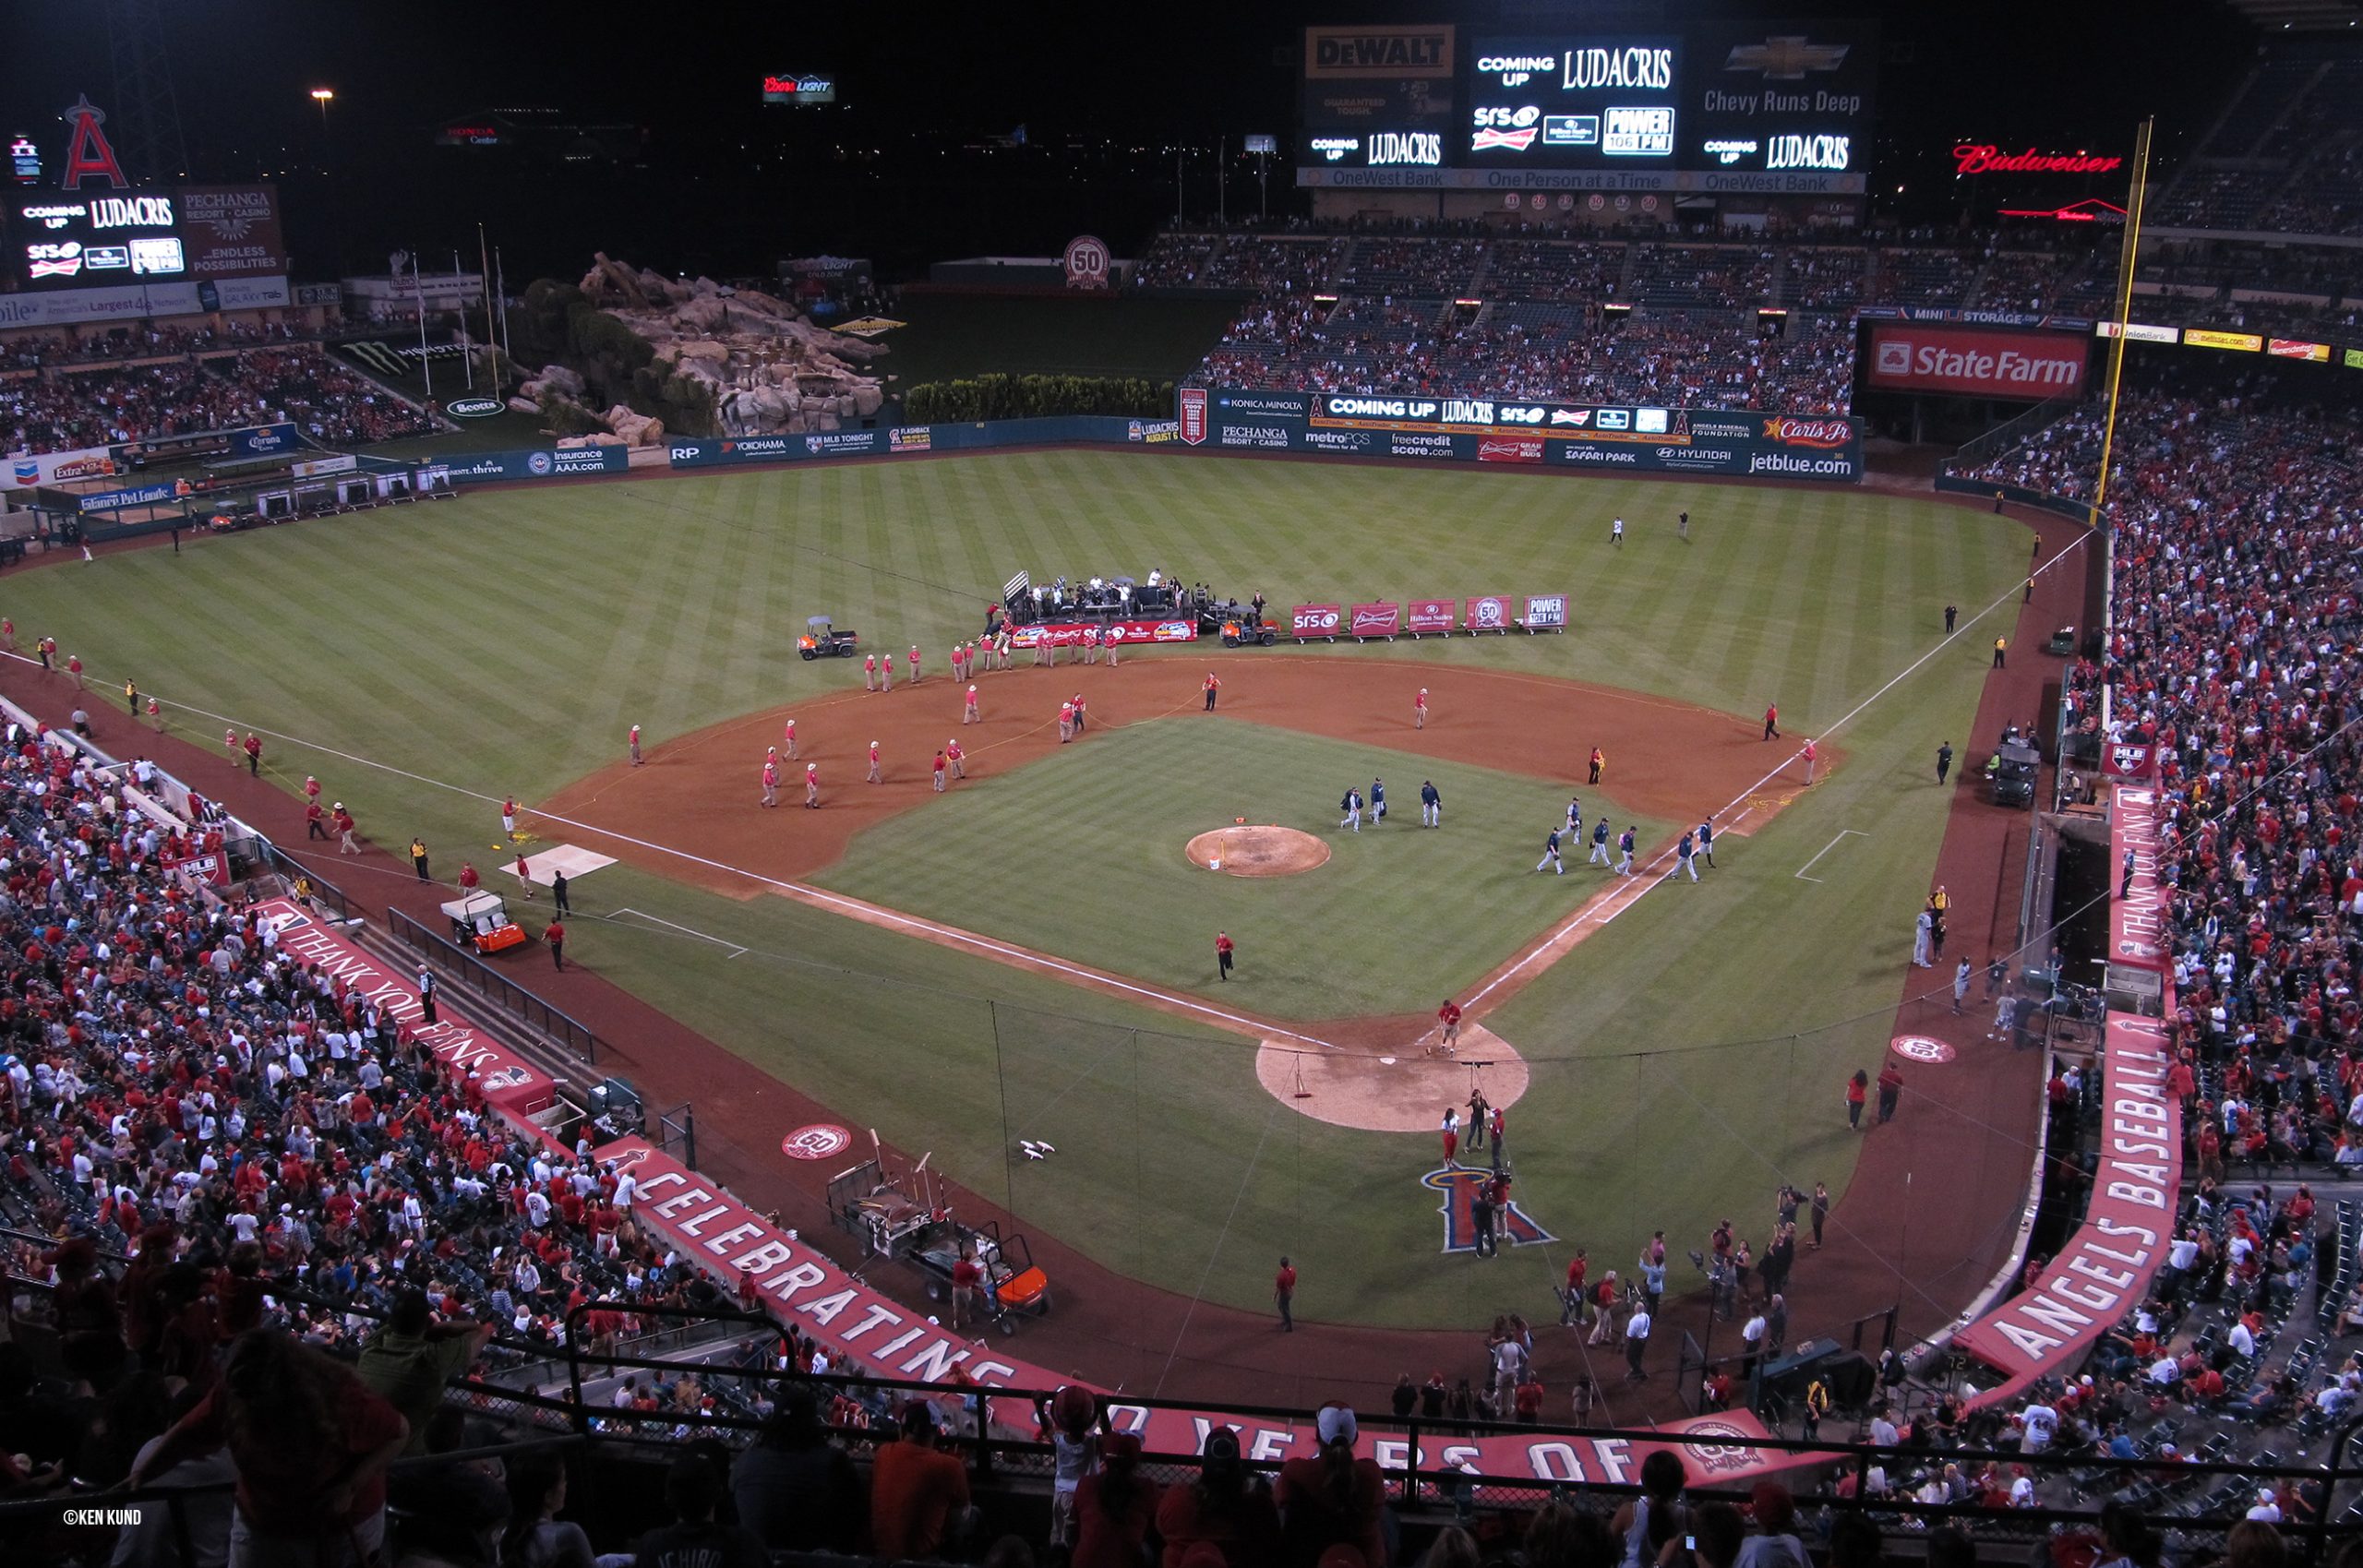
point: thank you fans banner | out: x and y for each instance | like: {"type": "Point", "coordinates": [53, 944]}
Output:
{"type": "Point", "coordinates": [1636, 437]}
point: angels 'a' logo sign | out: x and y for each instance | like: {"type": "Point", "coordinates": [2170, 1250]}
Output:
{"type": "Point", "coordinates": [1460, 1188]}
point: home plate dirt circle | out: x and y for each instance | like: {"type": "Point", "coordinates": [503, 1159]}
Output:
{"type": "Point", "coordinates": [1256, 852]}
{"type": "Point", "coordinates": [1395, 1089]}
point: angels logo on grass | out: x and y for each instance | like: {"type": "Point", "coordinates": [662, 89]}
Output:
{"type": "Point", "coordinates": [819, 1141]}
{"type": "Point", "coordinates": [1921, 1048]}
{"type": "Point", "coordinates": [1460, 1186]}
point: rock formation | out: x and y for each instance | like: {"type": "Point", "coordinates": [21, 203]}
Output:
{"type": "Point", "coordinates": [771, 371]}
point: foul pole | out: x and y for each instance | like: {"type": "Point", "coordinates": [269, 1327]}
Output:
{"type": "Point", "coordinates": [2124, 307]}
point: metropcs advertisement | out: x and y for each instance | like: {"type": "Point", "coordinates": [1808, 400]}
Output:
{"type": "Point", "coordinates": [1631, 439]}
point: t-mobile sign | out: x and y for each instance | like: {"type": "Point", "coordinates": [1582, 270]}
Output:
{"type": "Point", "coordinates": [1972, 362]}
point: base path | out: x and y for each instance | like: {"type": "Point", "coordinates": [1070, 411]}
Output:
{"type": "Point", "coordinates": [1256, 852]}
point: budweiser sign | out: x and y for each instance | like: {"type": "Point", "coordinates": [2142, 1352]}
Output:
{"type": "Point", "coordinates": [1977, 158]}
{"type": "Point", "coordinates": [1794, 432]}
{"type": "Point", "coordinates": [1380, 619]}
{"type": "Point", "coordinates": [1504, 448]}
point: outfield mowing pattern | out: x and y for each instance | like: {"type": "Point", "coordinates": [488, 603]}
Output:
{"type": "Point", "coordinates": [505, 642]}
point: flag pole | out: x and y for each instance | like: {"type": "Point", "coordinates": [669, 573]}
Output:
{"type": "Point", "coordinates": [418, 287]}
{"type": "Point", "coordinates": [484, 266]}
{"type": "Point", "coordinates": [467, 358]}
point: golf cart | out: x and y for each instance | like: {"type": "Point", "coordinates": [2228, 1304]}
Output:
{"type": "Point", "coordinates": [480, 922]}
{"type": "Point", "coordinates": [2013, 778]}
{"type": "Point", "coordinates": [1013, 1283]}
{"type": "Point", "coordinates": [821, 640]}
{"type": "Point", "coordinates": [1241, 633]}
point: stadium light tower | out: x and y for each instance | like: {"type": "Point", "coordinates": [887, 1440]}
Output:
{"type": "Point", "coordinates": [148, 115]}
{"type": "Point", "coordinates": [324, 96]}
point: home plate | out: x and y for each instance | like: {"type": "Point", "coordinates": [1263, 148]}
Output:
{"type": "Point", "coordinates": [1386, 1061]}
{"type": "Point", "coordinates": [572, 859]}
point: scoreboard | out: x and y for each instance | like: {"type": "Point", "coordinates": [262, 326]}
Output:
{"type": "Point", "coordinates": [73, 239]}
{"type": "Point", "coordinates": [1779, 106]}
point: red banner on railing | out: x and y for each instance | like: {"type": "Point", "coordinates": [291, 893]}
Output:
{"type": "Point", "coordinates": [2137, 904]}
{"type": "Point", "coordinates": [2106, 1268]}
{"type": "Point", "coordinates": [1308, 621]}
{"type": "Point", "coordinates": [503, 1077]}
{"type": "Point", "coordinates": [1431, 616]}
{"type": "Point", "coordinates": [1381, 618]}
{"type": "Point", "coordinates": [1064, 634]}
{"type": "Point", "coordinates": [739, 1250]}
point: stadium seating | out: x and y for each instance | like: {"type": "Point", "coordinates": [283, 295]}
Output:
{"type": "Point", "coordinates": [66, 406]}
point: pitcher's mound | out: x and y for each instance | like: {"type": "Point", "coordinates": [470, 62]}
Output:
{"type": "Point", "coordinates": [1402, 1090]}
{"type": "Point", "coordinates": [1257, 852]}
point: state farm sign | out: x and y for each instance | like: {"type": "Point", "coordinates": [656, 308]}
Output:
{"type": "Point", "coordinates": [1908, 356]}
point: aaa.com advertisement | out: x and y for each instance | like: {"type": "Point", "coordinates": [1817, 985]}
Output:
{"type": "Point", "coordinates": [1910, 356]}
{"type": "Point", "coordinates": [1615, 438]}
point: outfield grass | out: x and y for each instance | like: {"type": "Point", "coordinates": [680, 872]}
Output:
{"type": "Point", "coordinates": [1399, 918]}
{"type": "Point", "coordinates": [506, 642]}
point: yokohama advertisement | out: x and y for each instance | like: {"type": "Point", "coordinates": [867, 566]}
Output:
{"type": "Point", "coordinates": [1070, 634]}
{"type": "Point", "coordinates": [1977, 361]}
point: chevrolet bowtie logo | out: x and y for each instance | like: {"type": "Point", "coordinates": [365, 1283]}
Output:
{"type": "Point", "coordinates": [1786, 59]}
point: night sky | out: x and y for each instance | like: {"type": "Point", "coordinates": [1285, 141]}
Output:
{"type": "Point", "coordinates": [720, 182]}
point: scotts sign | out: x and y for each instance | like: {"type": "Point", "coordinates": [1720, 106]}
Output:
{"type": "Point", "coordinates": [471, 408]}
{"type": "Point", "coordinates": [1974, 362]}
{"type": "Point", "coordinates": [1977, 158]}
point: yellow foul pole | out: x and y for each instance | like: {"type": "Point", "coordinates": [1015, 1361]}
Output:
{"type": "Point", "coordinates": [2124, 307]}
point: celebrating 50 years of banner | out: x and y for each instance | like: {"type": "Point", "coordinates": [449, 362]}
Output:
{"type": "Point", "coordinates": [1633, 438]}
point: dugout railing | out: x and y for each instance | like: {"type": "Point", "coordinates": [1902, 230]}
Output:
{"type": "Point", "coordinates": [455, 964]}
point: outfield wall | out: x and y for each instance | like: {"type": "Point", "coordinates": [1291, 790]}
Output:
{"type": "Point", "coordinates": [1583, 436]}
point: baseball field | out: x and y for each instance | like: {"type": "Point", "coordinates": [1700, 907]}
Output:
{"type": "Point", "coordinates": [1029, 956]}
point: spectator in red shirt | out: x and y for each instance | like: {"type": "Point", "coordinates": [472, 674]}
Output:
{"type": "Point", "coordinates": [1226, 1516]}
{"type": "Point", "coordinates": [919, 1495]}
{"type": "Point", "coordinates": [1113, 1508]}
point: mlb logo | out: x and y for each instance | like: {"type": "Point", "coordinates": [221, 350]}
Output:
{"type": "Point", "coordinates": [1895, 357]}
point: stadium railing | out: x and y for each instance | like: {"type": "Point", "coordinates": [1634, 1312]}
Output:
{"type": "Point", "coordinates": [576, 1038]}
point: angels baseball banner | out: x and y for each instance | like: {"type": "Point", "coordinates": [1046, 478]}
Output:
{"type": "Point", "coordinates": [1308, 621]}
{"type": "Point", "coordinates": [1431, 617]}
{"type": "Point", "coordinates": [1382, 617]}
{"type": "Point", "coordinates": [1489, 613]}
{"type": "Point", "coordinates": [2106, 1268]}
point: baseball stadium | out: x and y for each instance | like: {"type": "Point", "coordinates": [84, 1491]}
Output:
{"type": "Point", "coordinates": [1556, 792]}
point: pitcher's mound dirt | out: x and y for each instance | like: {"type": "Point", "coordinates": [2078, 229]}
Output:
{"type": "Point", "coordinates": [1395, 1090]}
{"type": "Point", "coordinates": [1257, 852]}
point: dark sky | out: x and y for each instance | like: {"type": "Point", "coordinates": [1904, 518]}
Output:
{"type": "Point", "coordinates": [2068, 72]}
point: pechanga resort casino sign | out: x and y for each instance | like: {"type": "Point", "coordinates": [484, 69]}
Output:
{"type": "Point", "coordinates": [1984, 158]}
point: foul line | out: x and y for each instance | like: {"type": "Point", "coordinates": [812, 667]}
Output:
{"type": "Point", "coordinates": [1842, 833]}
{"type": "Point", "coordinates": [1660, 869]}
{"type": "Point", "coordinates": [736, 951]}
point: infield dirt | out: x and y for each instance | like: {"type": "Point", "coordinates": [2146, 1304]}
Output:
{"type": "Point", "coordinates": [701, 794]}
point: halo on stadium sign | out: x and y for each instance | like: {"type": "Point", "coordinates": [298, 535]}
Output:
{"type": "Point", "coordinates": [816, 1140]}
{"type": "Point", "coordinates": [1921, 1048]}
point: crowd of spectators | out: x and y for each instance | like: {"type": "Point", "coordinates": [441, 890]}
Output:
{"type": "Point", "coordinates": [140, 339]}
{"type": "Point", "coordinates": [68, 409]}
